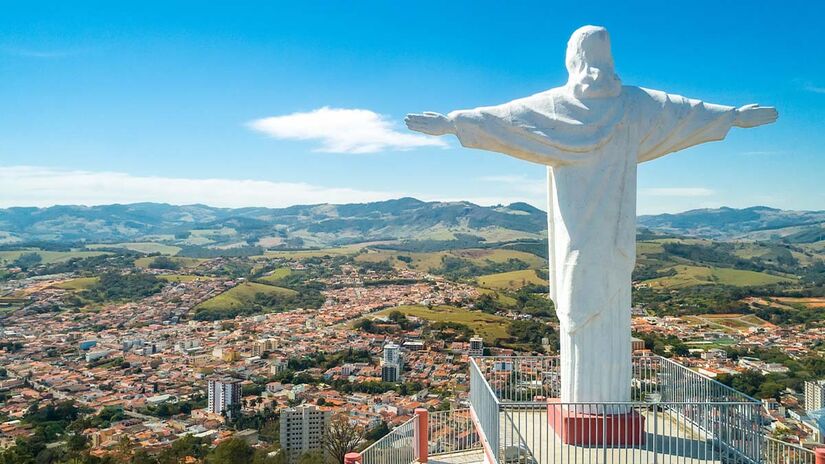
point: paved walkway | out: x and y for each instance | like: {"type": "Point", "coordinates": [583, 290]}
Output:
{"type": "Point", "coordinates": [527, 438]}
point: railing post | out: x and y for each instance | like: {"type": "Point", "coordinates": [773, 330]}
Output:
{"type": "Point", "coordinates": [820, 455]}
{"type": "Point", "coordinates": [422, 430]}
{"type": "Point", "coordinates": [352, 458]}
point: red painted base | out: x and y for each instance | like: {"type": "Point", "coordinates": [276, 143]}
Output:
{"type": "Point", "coordinates": [576, 428]}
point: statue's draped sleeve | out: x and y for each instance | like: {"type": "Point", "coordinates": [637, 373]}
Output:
{"type": "Point", "coordinates": [544, 128]}
{"type": "Point", "coordinates": [671, 123]}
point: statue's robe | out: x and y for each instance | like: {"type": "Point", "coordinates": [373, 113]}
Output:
{"type": "Point", "coordinates": [591, 148]}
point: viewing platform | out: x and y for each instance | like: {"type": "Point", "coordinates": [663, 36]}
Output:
{"type": "Point", "coordinates": [675, 416]}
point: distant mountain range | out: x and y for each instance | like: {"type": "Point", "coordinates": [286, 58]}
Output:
{"type": "Point", "coordinates": [755, 223]}
{"type": "Point", "coordinates": [327, 224]}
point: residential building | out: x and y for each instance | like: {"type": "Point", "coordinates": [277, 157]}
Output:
{"type": "Point", "coordinates": [223, 393]}
{"type": "Point", "coordinates": [389, 373]}
{"type": "Point", "coordinates": [302, 430]}
{"type": "Point", "coordinates": [814, 395]}
{"type": "Point", "coordinates": [392, 363]}
{"type": "Point", "coordinates": [476, 346]}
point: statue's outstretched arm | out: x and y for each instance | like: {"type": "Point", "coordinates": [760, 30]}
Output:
{"type": "Point", "coordinates": [430, 123]}
{"type": "Point", "coordinates": [485, 129]}
{"type": "Point", "coordinates": [754, 115]}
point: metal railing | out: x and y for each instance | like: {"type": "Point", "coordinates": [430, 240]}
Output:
{"type": "Point", "coordinates": [688, 417]}
{"type": "Point", "coordinates": [452, 432]}
{"type": "Point", "coordinates": [779, 452]}
{"type": "Point", "coordinates": [521, 378]}
{"type": "Point", "coordinates": [396, 447]}
{"type": "Point", "coordinates": [675, 416]}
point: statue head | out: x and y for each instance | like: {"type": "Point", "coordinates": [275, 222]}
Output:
{"type": "Point", "coordinates": [590, 64]}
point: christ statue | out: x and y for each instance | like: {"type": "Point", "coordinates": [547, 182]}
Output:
{"type": "Point", "coordinates": [591, 133]}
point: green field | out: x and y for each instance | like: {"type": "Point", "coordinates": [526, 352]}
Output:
{"type": "Point", "coordinates": [730, 323]}
{"type": "Point", "coordinates": [180, 277]}
{"type": "Point", "coordinates": [144, 262]}
{"type": "Point", "coordinates": [81, 283]}
{"type": "Point", "coordinates": [500, 297]}
{"type": "Point", "coordinates": [142, 247]}
{"type": "Point", "coordinates": [489, 326]}
{"type": "Point", "coordinates": [242, 296]}
{"type": "Point", "coordinates": [511, 280]}
{"type": "Point", "coordinates": [687, 276]}
{"type": "Point", "coordinates": [300, 254]}
{"type": "Point", "coordinates": [49, 257]}
{"type": "Point", "coordinates": [431, 260]}
{"type": "Point", "coordinates": [275, 276]}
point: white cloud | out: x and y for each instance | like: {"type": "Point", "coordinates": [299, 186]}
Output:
{"type": "Point", "coordinates": [677, 192]}
{"type": "Point", "coordinates": [342, 130]}
{"type": "Point", "coordinates": [764, 152]}
{"type": "Point", "coordinates": [814, 88]}
{"type": "Point", "coordinates": [39, 186]}
{"type": "Point", "coordinates": [519, 183]}
{"type": "Point", "coordinates": [44, 54]}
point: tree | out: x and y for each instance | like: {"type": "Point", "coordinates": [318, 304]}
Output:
{"type": "Point", "coordinates": [313, 457]}
{"type": "Point", "coordinates": [164, 262]}
{"type": "Point", "coordinates": [342, 438]}
{"type": "Point", "coordinates": [27, 261]}
{"type": "Point", "coordinates": [376, 433]}
{"type": "Point", "coordinates": [232, 451]}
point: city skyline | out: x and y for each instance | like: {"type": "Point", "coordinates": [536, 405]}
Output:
{"type": "Point", "coordinates": [233, 107]}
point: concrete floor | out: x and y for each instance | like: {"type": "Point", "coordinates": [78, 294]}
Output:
{"type": "Point", "coordinates": [527, 438]}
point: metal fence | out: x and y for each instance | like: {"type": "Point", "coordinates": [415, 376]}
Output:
{"type": "Point", "coordinates": [676, 416]}
{"type": "Point", "coordinates": [688, 417]}
{"type": "Point", "coordinates": [779, 452]}
{"type": "Point", "coordinates": [397, 447]}
{"type": "Point", "coordinates": [522, 378]}
{"type": "Point", "coordinates": [452, 432]}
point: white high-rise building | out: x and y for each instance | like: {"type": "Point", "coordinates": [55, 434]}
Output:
{"type": "Point", "coordinates": [302, 430]}
{"type": "Point", "coordinates": [223, 393]}
{"type": "Point", "coordinates": [392, 363]}
{"type": "Point", "coordinates": [815, 395]}
{"type": "Point", "coordinates": [476, 346]}
{"type": "Point", "coordinates": [392, 354]}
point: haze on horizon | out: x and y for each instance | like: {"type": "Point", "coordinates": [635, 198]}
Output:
{"type": "Point", "coordinates": [277, 105]}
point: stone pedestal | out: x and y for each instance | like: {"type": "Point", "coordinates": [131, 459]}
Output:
{"type": "Point", "coordinates": [580, 428]}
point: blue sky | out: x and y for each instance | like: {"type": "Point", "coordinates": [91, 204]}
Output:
{"type": "Point", "coordinates": [158, 101]}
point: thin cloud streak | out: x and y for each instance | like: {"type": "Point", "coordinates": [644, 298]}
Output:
{"type": "Point", "coordinates": [519, 183]}
{"type": "Point", "coordinates": [41, 54]}
{"type": "Point", "coordinates": [38, 186]}
{"type": "Point", "coordinates": [677, 191]}
{"type": "Point", "coordinates": [45, 186]}
{"type": "Point", "coordinates": [343, 130]}
{"type": "Point", "coordinates": [813, 88]}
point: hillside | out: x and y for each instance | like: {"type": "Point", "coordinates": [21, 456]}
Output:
{"type": "Point", "coordinates": [292, 227]}
{"type": "Point", "coordinates": [757, 223]}
{"type": "Point", "coordinates": [187, 230]}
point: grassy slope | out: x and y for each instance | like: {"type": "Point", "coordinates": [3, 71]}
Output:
{"type": "Point", "coordinates": [500, 297]}
{"type": "Point", "coordinates": [49, 257]}
{"type": "Point", "coordinates": [511, 280]}
{"type": "Point", "coordinates": [144, 262]}
{"type": "Point", "coordinates": [687, 275]}
{"type": "Point", "coordinates": [429, 260]}
{"type": "Point", "coordinates": [81, 283]}
{"type": "Point", "coordinates": [242, 295]}
{"type": "Point", "coordinates": [485, 325]}
{"type": "Point", "coordinates": [276, 275]}
{"type": "Point", "coordinates": [142, 247]}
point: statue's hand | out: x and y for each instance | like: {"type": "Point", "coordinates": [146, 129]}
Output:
{"type": "Point", "coordinates": [430, 123]}
{"type": "Point", "coordinates": [755, 115]}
